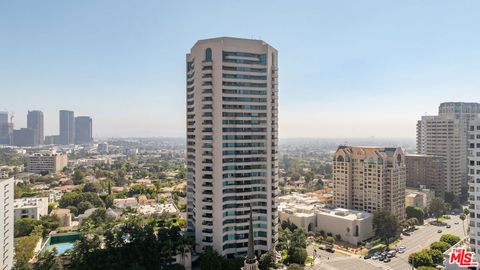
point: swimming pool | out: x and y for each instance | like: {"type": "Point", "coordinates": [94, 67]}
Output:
{"type": "Point", "coordinates": [61, 247]}
{"type": "Point", "coordinates": [61, 242]}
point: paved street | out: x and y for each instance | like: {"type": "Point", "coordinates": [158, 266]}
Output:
{"type": "Point", "coordinates": [420, 239]}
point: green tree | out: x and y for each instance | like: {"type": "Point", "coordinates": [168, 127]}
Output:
{"type": "Point", "coordinates": [437, 208]}
{"type": "Point", "coordinates": [284, 236]}
{"type": "Point", "coordinates": [75, 198]}
{"type": "Point", "coordinates": [422, 258]}
{"type": "Point", "coordinates": [48, 261]}
{"type": "Point", "coordinates": [288, 225]}
{"type": "Point", "coordinates": [297, 255]}
{"type": "Point", "coordinates": [427, 268]}
{"type": "Point", "coordinates": [295, 266]}
{"type": "Point", "coordinates": [436, 255]}
{"type": "Point", "coordinates": [439, 245]}
{"type": "Point", "coordinates": [91, 187]}
{"type": "Point", "coordinates": [267, 260]}
{"type": "Point", "coordinates": [415, 212]}
{"type": "Point", "coordinates": [385, 225]}
{"type": "Point", "coordinates": [330, 240]}
{"type": "Point", "coordinates": [463, 217]}
{"type": "Point", "coordinates": [450, 239]}
{"type": "Point", "coordinates": [78, 176]}
{"type": "Point", "coordinates": [84, 206]}
{"type": "Point", "coordinates": [298, 238]}
{"type": "Point", "coordinates": [25, 226]}
{"type": "Point", "coordinates": [210, 259]}
{"type": "Point", "coordinates": [49, 223]}
{"type": "Point", "coordinates": [24, 248]}
{"type": "Point", "coordinates": [151, 245]}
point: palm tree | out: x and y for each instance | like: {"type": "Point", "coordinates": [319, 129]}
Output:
{"type": "Point", "coordinates": [463, 216]}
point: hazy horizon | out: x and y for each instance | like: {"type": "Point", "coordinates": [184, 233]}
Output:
{"type": "Point", "coordinates": [347, 69]}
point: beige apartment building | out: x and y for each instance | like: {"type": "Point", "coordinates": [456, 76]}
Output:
{"type": "Point", "coordinates": [445, 135]}
{"type": "Point", "coordinates": [51, 163]}
{"type": "Point", "coordinates": [442, 136]}
{"type": "Point", "coordinates": [232, 144]}
{"type": "Point", "coordinates": [370, 178]}
{"type": "Point", "coordinates": [427, 171]}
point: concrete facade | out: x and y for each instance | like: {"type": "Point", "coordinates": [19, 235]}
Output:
{"type": "Point", "coordinates": [24, 137]}
{"type": "Point", "coordinates": [370, 178]}
{"type": "Point", "coordinates": [34, 207]}
{"type": "Point", "coordinates": [445, 135]}
{"type": "Point", "coordinates": [83, 130]}
{"type": "Point", "coordinates": [67, 127]}
{"type": "Point", "coordinates": [35, 122]}
{"type": "Point", "coordinates": [419, 197]}
{"type": "Point", "coordinates": [474, 184]}
{"type": "Point", "coordinates": [232, 143]}
{"type": "Point", "coordinates": [6, 224]}
{"type": "Point", "coordinates": [426, 170]}
{"type": "Point", "coordinates": [308, 213]}
{"type": "Point", "coordinates": [51, 163]}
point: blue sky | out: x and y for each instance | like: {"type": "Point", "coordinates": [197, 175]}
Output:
{"type": "Point", "coordinates": [347, 68]}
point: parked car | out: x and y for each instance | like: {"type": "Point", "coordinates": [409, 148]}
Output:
{"type": "Point", "coordinates": [402, 247]}
{"type": "Point", "coordinates": [387, 260]}
{"type": "Point", "coordinates": [449, 226]}
{"type": "Point", "coordinates": [401, 251]}
{"type": "Point", "coordinates": [406, 233]}
{"type": "Point", "coordinates": [368, 256]}
{"type": "Point", "coordinates": [392, 253]}
{"type": "Point", "coordinates": [439, 231]}
{"type": "Point", "coordinates": [374, 257]}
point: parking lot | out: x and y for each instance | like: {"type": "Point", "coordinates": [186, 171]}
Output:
{"type": "Point", "coordinates": [418, 240]}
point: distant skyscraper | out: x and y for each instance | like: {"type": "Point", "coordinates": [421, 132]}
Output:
{"type": "Point", "coordinates": [67, 127]}
{"type": "Point", "coordinates": [232, 144]}
{"type": "Point", "coordinates": [83, 130]}
{"type": "Point", "coordinates": [6, 224]}
{"type": "Point", "coordinates": [24, 137]}
{"type": "Point", "coordinates": [35, 121]}
{"type": "Point", "coordinates": [370, 178]}
{"type": "Point", "coordinates": [5, 129]}
{"type": "Point", "coordinates": [102, 148]}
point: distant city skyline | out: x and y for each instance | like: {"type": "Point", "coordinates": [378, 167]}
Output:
{"type": "Point", "coordinates": [351, 69]}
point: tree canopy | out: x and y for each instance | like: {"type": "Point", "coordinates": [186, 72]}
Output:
{"type": "Point", "coordinates": [437, 208]}
{"type": "Point", "coordinates": [385, 225]}
{"type": "Point", "coordinates": [136, 244]}
{"type": "Point", "coordinates": [415, 212]}
{"type": "Point", "coordinates": [450, 239]}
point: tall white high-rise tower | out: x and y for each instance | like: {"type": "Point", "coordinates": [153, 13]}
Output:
{"type": "Point", "coordinates": [232, 144]}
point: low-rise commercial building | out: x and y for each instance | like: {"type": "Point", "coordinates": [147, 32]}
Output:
{"type": "Point", "coordinates": [419, 197]}
{"type": "Point", "coordinates": [306, 212]}
{"type": "Point", "coordinates": [124, 203]}
{"type": "Point", "coordinates": [51, 163]}
{"type": "Point", "coordinates": [168, 209]}
{"type": "Point", "coordinates": [30, 207]}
